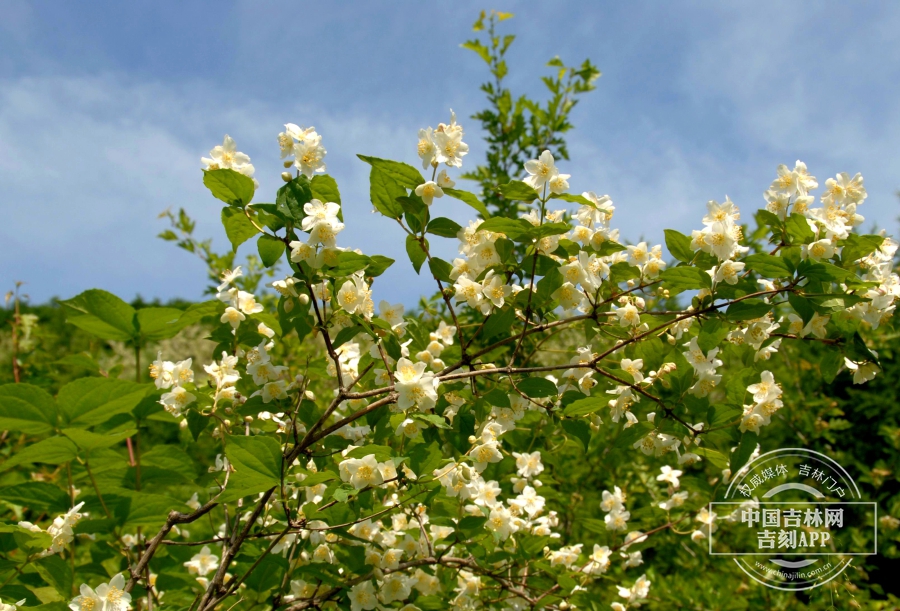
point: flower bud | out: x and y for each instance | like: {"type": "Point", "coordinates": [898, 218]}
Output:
{"type": "Point", "coordinates": [288, 163]}
{"type": "Point", "coordinates": [248, 418]}
{"type": "Point", "coordinates": [472, 439]}
{"type": "Point", "coordinates": [286, 177]}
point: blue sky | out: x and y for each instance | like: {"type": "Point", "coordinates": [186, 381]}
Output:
{"type": "Point", "coordinates": [106, 108]}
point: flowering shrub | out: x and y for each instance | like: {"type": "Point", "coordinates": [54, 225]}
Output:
{"type": "Point", "coordinates": [435, 461]}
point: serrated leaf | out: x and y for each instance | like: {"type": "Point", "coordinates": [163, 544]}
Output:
{"type": "Point", "coordinates": [537, 387]}
{"type": "Point", "coordinates": [384, 191]}
{"type": "Point", "coordinates": [270, 249]}
{"type": "Point", "coordinates": [444, 227]}
{"type": "Point", "coordinates": [230, 186]}
{"type": "Point", "coordinates": [768, 266]}
{"type": "Point", "coordinates": [679, 245]}
{"type": "Point", "coordinates": [325, 189]}
{"type": "Point", "coordinates": [402, 173]}
{"type": "Point", "coordinates": [585, 406]}
{"type": "Point", "coordinates": [512, 228]}
{"type": "Point", "coordinates": [517, 190]}
{"type": "Point", "coordinates": [416, 252]}
{"type": "Point", "coordinates": [685, 278]}
{"type": "Point", "coordinates": [102, 314]}
{"type": "Point", "coordinates": [747, 310]}
{"type": "Point", "coordinates": [470, 199]}
{"type": "Point", "coordinates": [27, 409]}
{"type": "Point", "coordinates": [238, 227]}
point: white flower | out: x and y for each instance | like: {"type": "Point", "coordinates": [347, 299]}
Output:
{"type": "Point", "coordinates": [362, 597]}
{"type": "Point", "coordinates": [227, 157]}
{"type": "Point", "coordinates": [449, 147]}
{"type": "Point", "coordinates": [444, 181]}
{"type": "Point", "coordinates": [540, 170]}
{"type": "Point", "coordinates": [111, 595]}
{"type": "Point", "coordinates": [414, 385]}
{"type": "Point", "coordinates": [599, 561]}
{"type": "Point", "coordinates": [669, 475]}
{"type": "Point", "coordinates": [501, 522]}
{"type": "Point", "coordinates": [426, 148]}
{"type": "Point", "coordinates": [319, 212]}
{"type": "Point", "coordinates": [361, 472]}
{"type": "Point", "coordinates": [309, 156]}
{"type": "Point", "coordinates": [355, 297]}
{"type": "Point", "coordinates": [863, 372]}
{"type": "Point", "coordinates": [528, 465]}
{"type": "Point", "coordinates": [486, 453]}
{"type": "Point", "coordinates": [428, 191]}
{"type": "Point", "coordinates": [86, 601]}
{"type": "Point", "coordinates": [766, 390]}
{"type": "Point", "coordinates": [559, 183]}
{"type": "Point", "coordinates": [202, 563]}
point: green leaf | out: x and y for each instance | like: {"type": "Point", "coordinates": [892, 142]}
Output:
{"type": "Point", "coordinates": [324, 188]}
{"type": "Point", "coordinates": [798, 228]}
{"type": "Point", "coordinates": [512, 228]}
{"type": "Point", "coordinates": [159, 323]}
{"type": "Point", "coordinates": [36, 495]}
{"type": "Point", "coordinates": [802, 306]}
{"type": "Point", "coordinates": [270, 249]}
{"type": "Point", "coordinates": [747, 310]}
{"type": "Point", "coordinates": [90, 401]}
{"type": "Point", "coordinates": [517, 190]}
{"type": "Point", "coordinates": [57, 572]}
{"type": "Point", "coordinates": [443, 227]}
{"type": "Point", "coordinates": [346, 334]}
{"type": "Point", "coordinates": [415, 251]}
{"type": "Point", "coordinates": [198, 311]}
{"type": "Point", "coordinates": [479, 48]}
{"type": "Point", "coordinates": [150, 510]}
{"type": "Point", "coordinates": [381, 453]}
{"type": "Point", "coordinates": [575, 199]}
{"type": "Point", "coordinates": [500, 322]}
{"type": "Point", "coordinates": [679, 245]}
{"type": "Point", "coordinates": [402, 173]}
{"type": "Point", "coordinates": [89, 441]}
{"type": "Point", "coordinates": [349, 262]}
{"type": "Point", "coordinates": [768, 266]}
{"type": "Point", "coordinates": [537, 387]}
{"type": "Point", "coordinates": [825, 272]}
{"type": "Point", "coordinates": [82, 360]}
{"type": "Point", "coordinates": [384, 191]}
{"type": "Point", "coordinates": [580, 430]}
{"type": "Point", "coordinates": [102, 314]}
{"type": "Point", "coordinates": [858, 246]}
{"type": "Point", "coordinates": [51, 451]}
{"type": "Point", "coordinates": [685, 278]}
{"type": "Point", "coordinates": [716, 458]}
{"type": "Point", "coordinates": [470, 199]}
{"type": "Point", "coordinates": [378, 264]}
{"type": "Point", "coordinates": [27, 409]}
{"type": "Point", "coordinates": [292, 197]}
{"type": "Point", "coordinates": [830, 365]}
{"type": "Point", "coordinates": [238, 227]}
{"type": "Point", "coordinates": [440, 269]}
{"type": "Point", "coordinates": [712, 334]}
{"type": "Point", "coordinates": [257, 465]}
{"type": "Point", "coordinates": [230, 186]}
{"type": "Point", "coordinates": [742, 454]}
{"type": "Point", "coordinates": [585, 406]}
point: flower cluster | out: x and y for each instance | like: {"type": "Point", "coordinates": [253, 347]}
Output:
{"type": "Point", "coordinates": [305, 146]}
{"type": "Point", "coordinates": [175, 377]}
{"type": "Point", "coordinates": [766, 401]}
{"type": "Point", "coordinates": [227, 157]}
{"type": "Point", "coordinates": [60, 531]}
